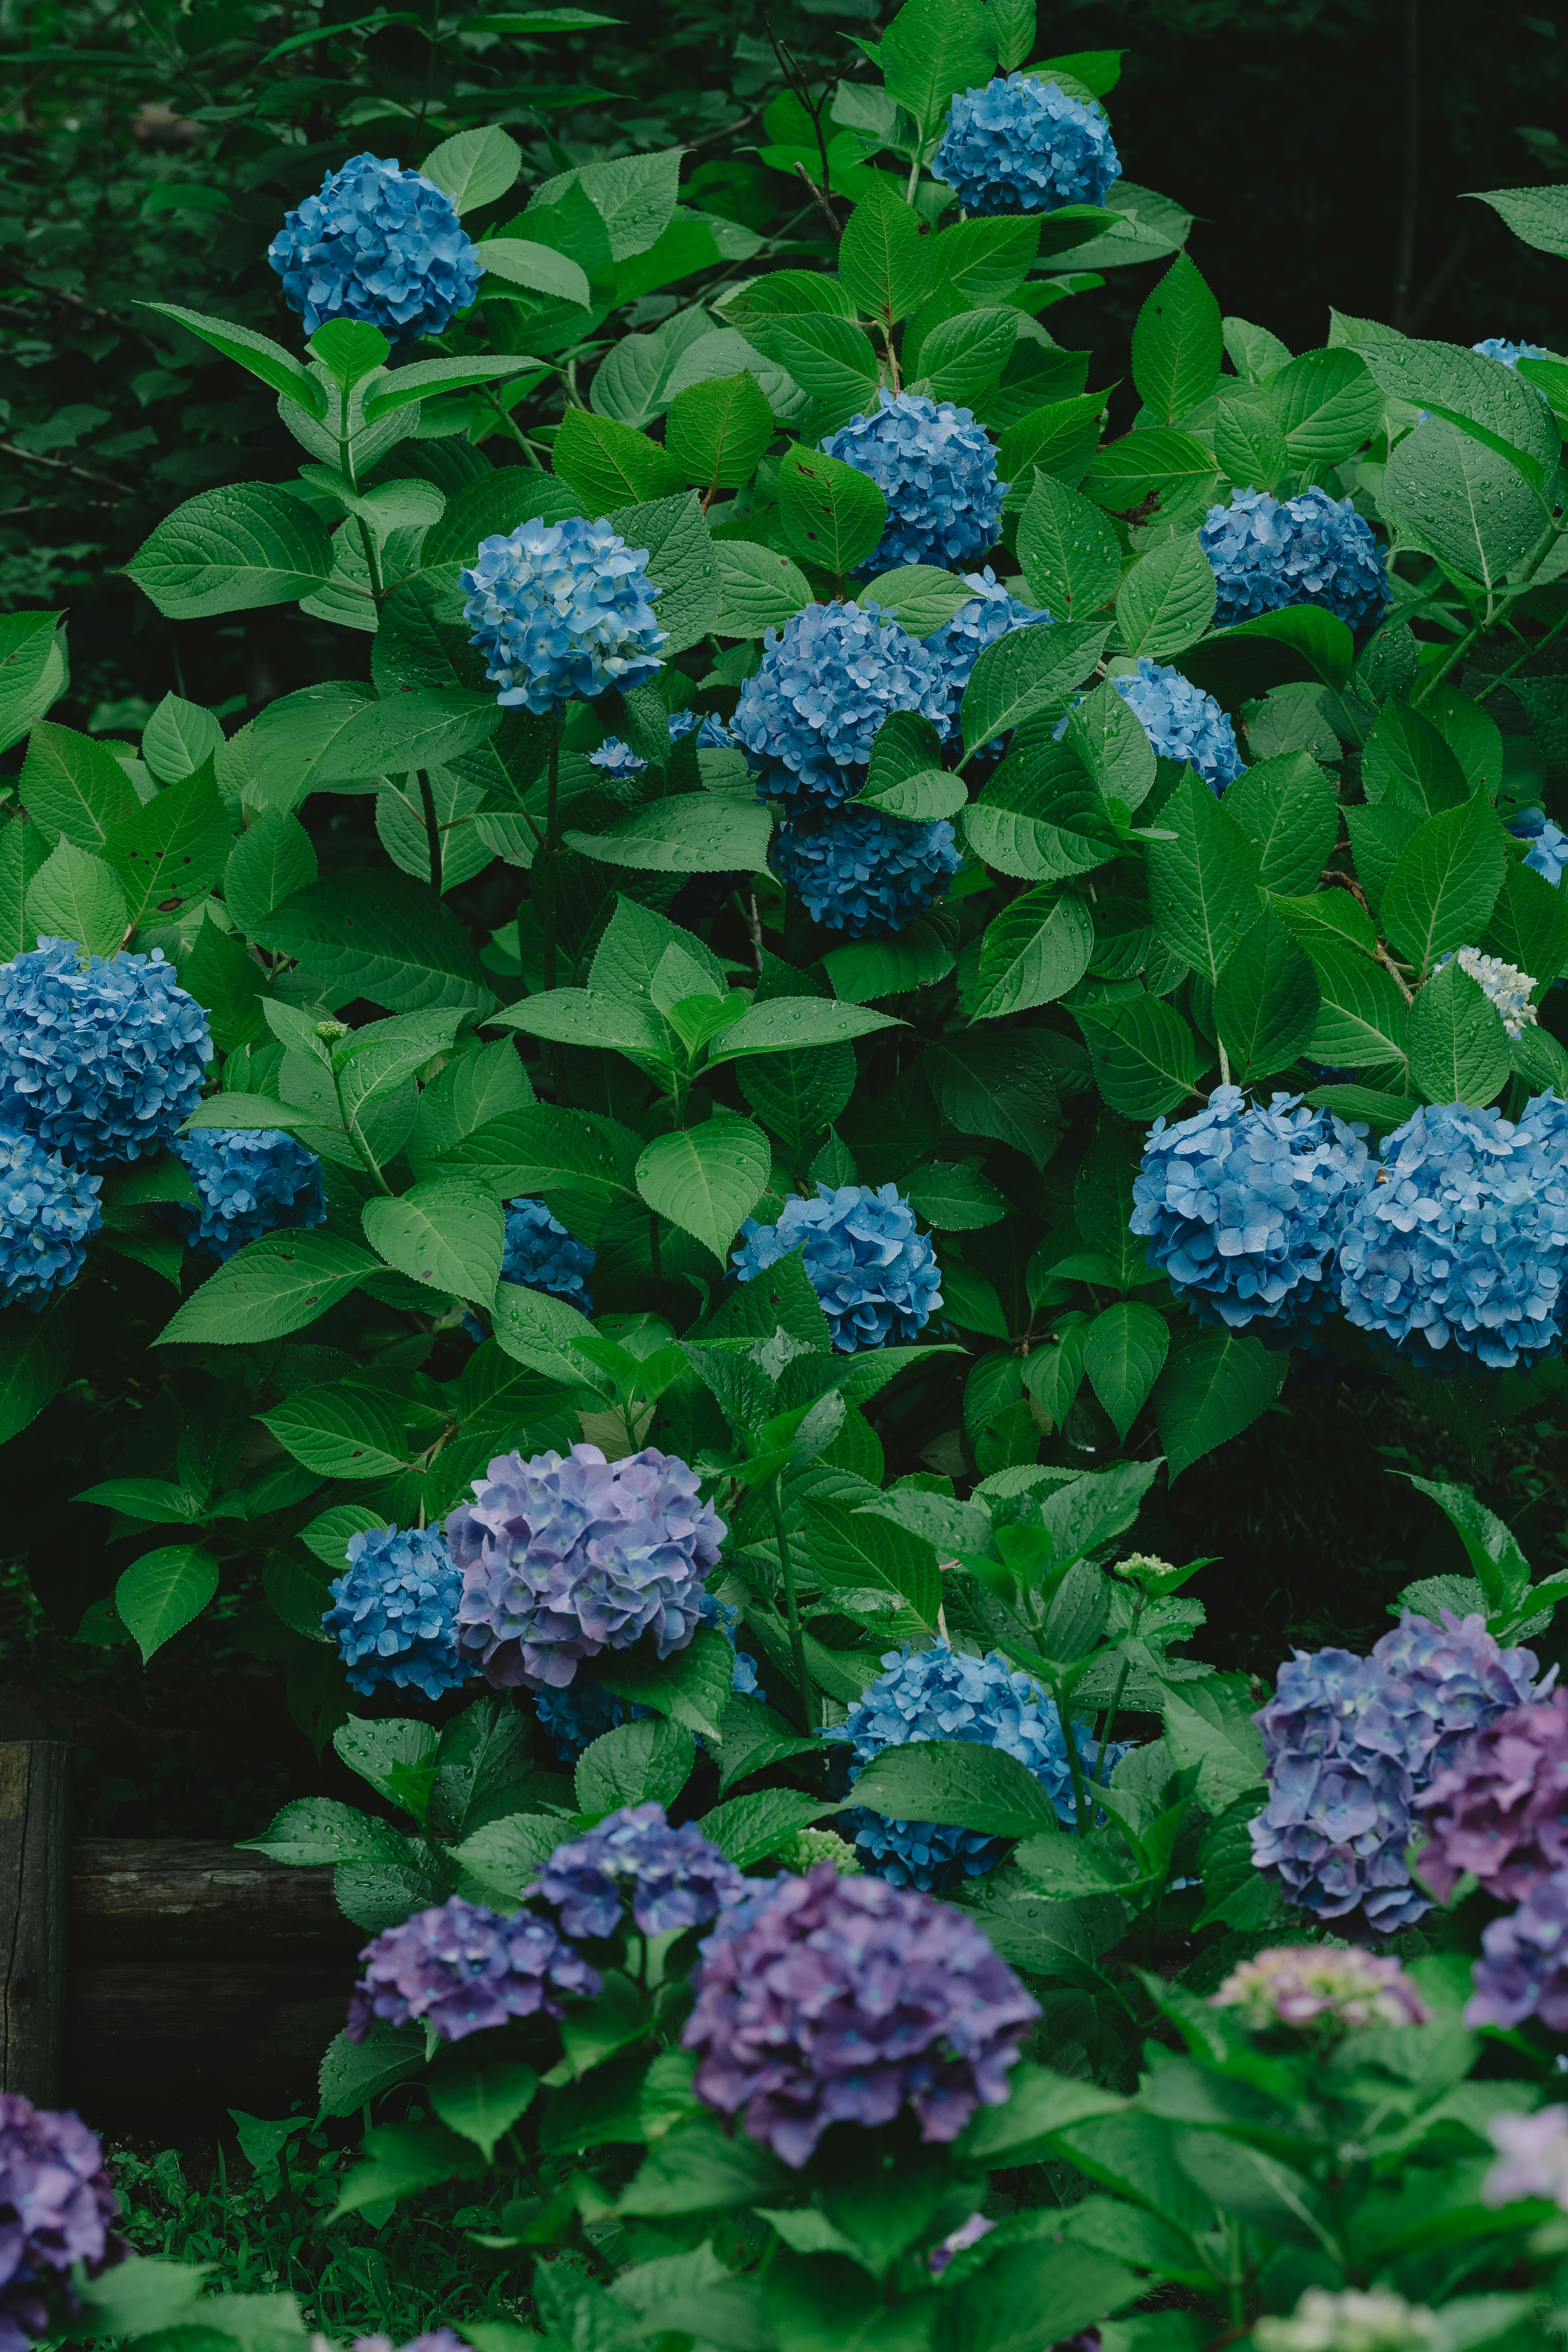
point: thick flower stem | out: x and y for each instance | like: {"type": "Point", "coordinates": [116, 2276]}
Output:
{"type": "Point", "coordinates": [552, 847]}
{"type": "Point", "coordinates": [432, 830]}
{"type": "Point", "coordinates": [792, 1611]}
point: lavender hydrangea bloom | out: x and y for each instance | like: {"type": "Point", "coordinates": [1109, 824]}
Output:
{"type": "Point", "coordinates": [561, 609]}
{"type": "Point", "coordinates": [1182, 723]}
{"type": "Point", "coordinates": [993, 612]}
{"type": "Point", "coordinates": [840, 2001]}
{"type": "Point", "coordinates": [100, 1061]}
{"type": "Point", "coordinates": [1523, 1968]}
{"type": "Point", "coordinates": [946, 1693]}
{"type": "Point", "coordinates": [865, 874]}
{"type": "Point", "coordinates": [1311, 549]}
{"type": "Point", "coordinates": [1548, 853]}
{"type": "Point", "coordinates": [1305, 1984]}
{"type": "Point", "coordinates": [1351, 1743]}
{"type": "Point", "coordinates": [1500, 1810]}
{"type": "Point", "coordinates": [808, 716]}
{"type": "Point", "coordinates": [1458, 1244]}
{"type": "Point", "coordinates": [1533, 2158]}
{"type": "Point", "coordinates": [57, 2203]}
{"type": "Point", "coordinates": [1497, 347]}
{"type": "Point", "coordinates": [564, 1556]}
{"type": "Point", "coordinates": [673, 1878]}
{"type": "Point", "coordinates": [937, 469]}
{"type": "Point", "coordinates": [434, 2339]}
{"type": "Point", "coordinates": [877, 1277]}
{"type": "Point", "coordinates": [459, 1967]}
{"type": "Point", "coordinates": [380, 244]}
{"type": "Point", "coordinates": [540, 1255]}
{"type": "Point", "coordinates": [394, 1616]}
{"type": "Point", "coordinates": [1022, 145]}
{"type": "Point", "coordinates": [1242, 1209]}
{"type": "Point", "coordinates": [958, 2242]}
{"type": "Point", "coordinates": [48, 1213]}
{"type": "Point", "coordinates": [251, 1180]}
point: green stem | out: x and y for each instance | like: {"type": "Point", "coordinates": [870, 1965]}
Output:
{"type": "Point", "coordinates": [552, 847]}
{"type": "Point", "coordinates": [1538, 648]}
{"type": "Point", "coordinates": [1081, 1806]}
{"type": "Point", "coordinates": [792, 1611]}
{"type": "Point", "coordinates": [1435, 676]}
{"type": "Point", "coordinates": [432, 830]}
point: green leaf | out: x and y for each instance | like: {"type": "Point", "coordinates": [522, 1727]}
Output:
{"type": "Point", "coordinates": [851, 1550]}
{"type": "Point", "coordinates": [884, 254]}
{"type": "Point", "coordinates": [692, 1685]}
{"type": "Point", "coordinates": [1109, 738]}
{"type": "Point", "coordinates": [1538, 216]}
{"type": "Point", "coordinates": [1068, 553]}
{"type": "Point", "coordinates": [172, 849]}
{"type": "Point", "coordinates": [178, 738]}
{"type": "Point", "coordinates": [1249, 443]}
{"type": "Point", "coordinates": [1124, 1350]}
{"type": "Point", "coordinates": [352, 2074]}
{"type": "Point", "coordinates": [268, 1289]}
{"type": "Point", "coordinates": [606, 464]}
{"type": "Point", "coordinates": [955, 1197]}
{"type": "Point", "coordinates": [35, 1356]}
{"type": "Point", "coordinates": [446, 1233]}
{"type": "Point", "coordinates": [1468, 506]}
{"type": "Point", "coordinates": [1406, 761]}
{"type": "Point", "coordinates": [1209, 1725]}
{"type": "Point", "coordinates": [961, 358]}
{"type": "Point", "coordinates": [74, 785]}
{"type": "Point", "coordinates": [1203, 886]}
{"type": "Point", "coordinates": [997, 1083]}
{"type": "Point", "coordinates": [384, 936]}
{"type": "Point", "coordinates": [1528, 927]}
{"type": "Point", "coordinates": [231, 550]}
{"type": "Point", "coordinates": [1031, 953]}
{"type": "Point", "coordinates": [1145, 1057]}
{"type": "Point", "coordinates": [931, 48]}
{"type": "Point", "coordinates": [1167, 600]}
{"type": "Point", "coordinates": [998, 2309]}
{"type": "Point", "coordinates": [341, 1433]}
{"type": "Point", "coordinates": [1445, 882]}
{"type": "Point", "coordinates": [1266, 1003]}
{"type": "Point", "coordinates": [958, 1782]}
{"type": "Point", "coordinates": [648, 1762]}
{"type": "Point", "coordinates": [706, 1179]}
{"type": "Point", "coordinates": [1157, 462]}
{"type": "Point", "coordinates": [349, 350]}
{"type": "Point", "coordinates": [1362, 1022]}
{"type": "Point", "coordinates": [702, 2168]}
{"type": "Point", "coordinates": [1468, 390]}
{"type": "Point", "coordinates": [797, 1095]}
{"type": "Point", "coordinates": [523, 263]}
{"type": "Point", "coordinates": [749, 1829]}
{"type": "Point", "coordinates": [717, 431]}
{"type": "Point", "coordinates": [32, 670]}
{"type": "Point", "coordinates": [681, 562]}
{"type": "Point", "coordinates": [1327, 404]}
{"type": "Point", "coordinates": [404, 731]}
{"type": "Point", "coordinates": [257, 353]}
{"type": "Point", "coordinates": [633, 195]}
{"type": "Point", "coordinates": [832, 515]}
{"type": "Point", "coordinates": [696, 833]}
{"type": "Point", "coordinates": [984, 260]}
{"type": "Point", "coordinates": [1213, 1386]}
{"type": "Point", "coordinates": [865, 969]}
{"type": "Point", "coordinates": [159, 1594]}
{"type": "Point", "coordinates": [762, 589]}
{"type": "Point", "coordinates": [475, 168]}
{"type": "Point", "coordinates": [587, 1016]}
{"type": "Point", "coordinates": [921, 598]}
{"type": "Point", "coordinates": [1458, 1046]}
{"type": "Point", "coordinates": [404, 2157]}
{"type": "Point", "coordinates": [1056, 441]}
{"type": "Point", "coordinates": [75, 896]}
{"type": "Point", "coordinates": [1177, 346]}
{"type": "Point", "coordinates": [1028, 670]}
{"type": "Point", "coordinates": [1289, 810]}
{"type": "Point", "coordinates": [481, 2098]}
{"type": "Point", "coordinates": [827, 357]}
{"type": "Point", "coordinates": [314, 1831]}
{"type": "Point", "coordinates": [227, 982]}
{"type": "Point", "coordinates": [1102, 1200]}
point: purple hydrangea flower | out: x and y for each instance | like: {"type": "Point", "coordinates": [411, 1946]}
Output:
{"type": "Point", "coordinates": [840, 1999]}
{"type": "Point", "coordinates": [936, 467]}
{"type": "Point", "coordinates": [99, 1060]}
{"type": "Point", "coordinates": [1523, 1968]}
{"type": "Point", "coordinates": [49, 1213]}
{"type": "Point", "coordinates": [958, 2242]}
{"type": "Point", "coordinates": [1351, 1742]}
{"type": "Point", "coordinates": [1548, 853]}
{"type": "Point", "coordinates": [1309, 550]}
{"type": "Point", "coordinates": [378, 244]}
{"type": "Point", "coordinates": [1181, 721]}
{"type": "Point", "coordinates": [1242, 1209]}
{"type": "Point", "coordinates": [561, 609]}
{"type": "Point", "coordinates": [1500, 1810]}
{"type": "Point", "coordinates": [808, 716]}
{"type": "Point", "coordinates": [1022, 145]}
{"type": "Point", "coordinates": [566, 1555]}
{"type": "Point", "coordinates": [1308, 1984]}
{"type": "Point", "coordinates": [395, 1614]}
{"type": "Point", "coordinates": [540, 1255]}
{"type": "Point", "coordinates": [55, 2207]}
{"type": "Point", "coordinates": [459, 1968]}
{"type": "Point", "coordinates": [251, 1180]}
{"type": "Point", "coordinates": [877, 1277]}
{"type": "Point", "coordinates": [674, 1878]}
{"type": "Point", "coordinates": [1459, 1243]}
{"type": "Point", "coordinates": [1533, 2158]}
{"type": "Point", "coordinates": [434, 2339]}
{"type": "Point", "coordinates": [865, 874]}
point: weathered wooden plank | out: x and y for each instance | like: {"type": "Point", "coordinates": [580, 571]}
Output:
{"type": "Point", "coordinates": [186, 1898]}
{"type": "Point", "coordinates": [188, 2037]}
{"type": "Point", "coordinates": [35, 1829]}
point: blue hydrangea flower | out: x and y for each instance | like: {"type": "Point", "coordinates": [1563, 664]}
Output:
{"type": "Point", "coordinates": [713, 735]}
{"type": "Point", "coordinates": [808, 717]}
{"type": "Point", "coordinates": [1022, 145]}
{"type": "Point", "coordinates": [1497, 347]}
{"type": "Point", "coordinates": [945, 1694]}
{"type": "Point", "coordinates": [542, 1255]}
{"type": "Point", "coordinates": [617, 758]}
{"type": "Point", "coordinates": [680, 724]}
{"type": "Point", "coordinates": [674, 1878]}
{"type": "Point", "coordinates": [1351, 1743]}
{"type": "Point", "coordinates": [1548, 853]}
{"type": "Point", "coordinates": [876, 1277]}
{"type": "Point", "coordinates": [1311, 549]}
{"type": "Point", "coordinates": [1502, 984]}
{"type": "Point", "coordinates": [380, 244]}
{"type": "Point", "coordinates": [727, 1618]}
{"type": "Point", "coordinates": [1183, 722]}
{"type": "Point", "coordinates": [561, 609]}
{"type": "Point", "coordinates": [48, 1213]}
{"type": "Point", "coordinates": [100, 1061]}
{"type": "Point", "coordinates": [252, 1181]}
{"type": "Point", "coordinates": [575, 1717]}
{"type": "Point", "coordinates": [1458, 1242]}
{"type": "Point", "coordinates": [1242, 1209]}
{"type": "Point", "coordinates": [865, 874]}
{"type": "Point", "coordinates": [395, 1611]}
{"type": "Point", "coordinates": [937, 469]}
{"type": "Point", "coordinates": [992, 613]}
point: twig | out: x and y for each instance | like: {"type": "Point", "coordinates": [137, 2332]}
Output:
{"type": "Point", "coordinates": [799, 86]}
{"type": "Point", "coordinates": [64, 465]}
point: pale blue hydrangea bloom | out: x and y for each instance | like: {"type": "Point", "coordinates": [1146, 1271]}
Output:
{"type": "Point", "coordinates": [1182, 723]}
{"type": "Point", "coordinates": [937, 469]}
{"type": "Point", "coordinates": [727, 1618]}
{"type": "Point", "coordinates": [1548, 853]}
{"type": "Point", "coordinates": [865, 874]}
{"type": "Point", "coordinates": [100, 1060]}
{"type": "Point", "coordinates": [877, 1277]}
{"type": "Point", "coordinates": [561, 609]}
{"type": "Point", "coordinates": [946, 1693]}
{"type": "Point", "coordinates": [1022, 145]}
{"type": "Point", "coordinates": [808, 717]}
{"type": "Point", "coordinates": [1242, 1209]}
{"type": "Point", "coordinates": [1497, 347]}
{"type": "Point", "coordinates": [378, 244]}
{"type": "Point", "coordinates": [1456, 1247]}
{"type": "Point", "coordinates": [394, 1616]}
{"type": "Point", "coordinates": [540, 1255]}
{"type": "Point", "coordinates": [1309, 550]}
{"type": "Point", "coordinates": [1502, 984]}
{"type": "Point", "coordinates": [251, 1180]}
{"type": "Point", "coordinates": [47, 1214]}
{"type": "Point", "coordinates": [617, 758]}
{"type": "Point", "coordinates": [993, 612]}
{"type": "Point", "coordinates": [714, 735]}
{"type": "Point", "coordinates": [680, 724]}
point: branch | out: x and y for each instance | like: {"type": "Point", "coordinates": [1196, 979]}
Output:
{"type": "Point", "coordinates": [64, 465]}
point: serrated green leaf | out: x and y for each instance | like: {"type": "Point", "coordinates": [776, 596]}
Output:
{"type": "Point", "coordinates": [1458, 1046]}
{"type": "Point", "coordinates": [1445, 883]}
{"type": "Point", "coordinates": [159, 1594]}
{"type": "Point", "coordinates": [1031, 953]}
{"type": "Point", "coordinates": [446, 1234]}
{"type": "Point", "coordinates": [706, 1179]}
